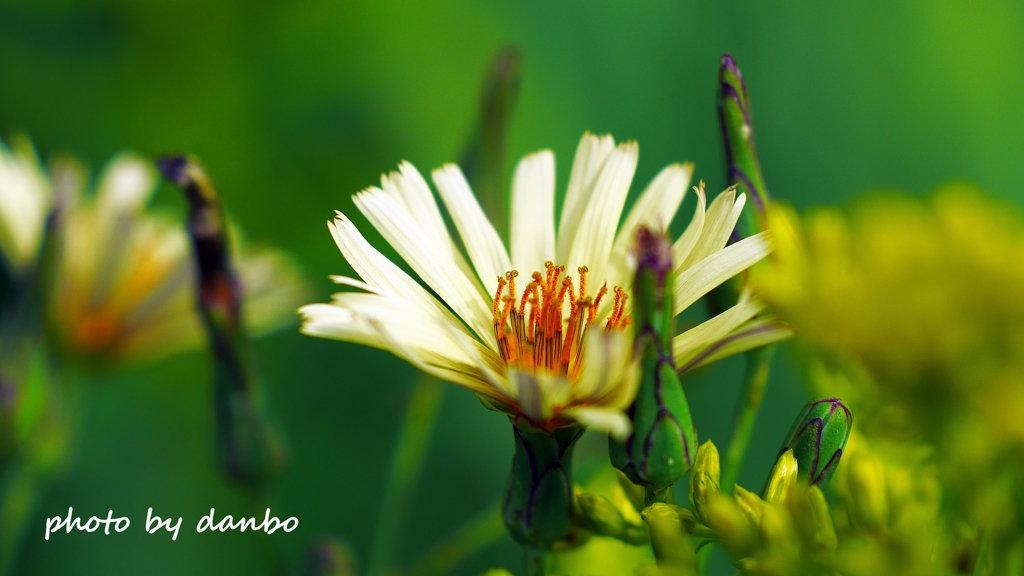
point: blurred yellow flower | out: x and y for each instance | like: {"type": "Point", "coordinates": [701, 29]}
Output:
{"type": "Point", "coordinates": [124, 284]}
{"type": "Point", "coordinates": [913, 310]}
{"type": "Point", "coordinates": [123, 275]}
{"type": "Point", "coordinates": [516, 326]}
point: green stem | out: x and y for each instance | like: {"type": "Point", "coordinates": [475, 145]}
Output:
{"type": "Point", "coordinates": [754, 383]}
{"type": "Point", "coordinates": [655, 495]}
{"type": "Point", "coordinates": [259, 501]}
{"type": "Point", "coordinates": [19, 494]}
{"type": "Point", "coordinates": [410, 451]}
{"type": "Point", "coordinates": [479, 533]}
{"type": "Point", "coordinates": [534, 561]}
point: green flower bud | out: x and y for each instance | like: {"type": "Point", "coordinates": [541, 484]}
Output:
{"type": "Point", "coordinates": [750, 504]}
{"type": "Point", "coordinates": [863, 489]}
{"type": "Point", "coordinates": [538, 504]}
{"type": "Point", "coordinates": [596, 514]}
{"type": "Point", "coordinates": [660, 448]}
{"type": "Point", "coordinates": [811, 517]}
{"type": "Point", "coordinates": [634, 493]}
{"type": "Point", "coordinates": [783, 475]}
{"type": "Point", "coordinates": [704, 479]}
{"type": "Point", "coordinates": [732, 526]}
{"type": "Point", "coordinates": [818, 437]}
{"type": "Point", "coordinates": [669, 536]}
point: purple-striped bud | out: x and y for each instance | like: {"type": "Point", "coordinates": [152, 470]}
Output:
{"type": "Point", "coordinates": [818, 437]}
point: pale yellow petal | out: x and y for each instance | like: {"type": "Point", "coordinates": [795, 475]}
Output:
{"type": "Point", "coordinates": [602, 419]}
{"type": "Point", "coordinates": [705, 275]}
{"type": "Point", "coordinates": [592, 245]}
{"type": "Point", "coordinates": [532, 232]}
{"type": "Point", "coordinates": [719, 223]}
{"type": "Point", "coordinates": [688, 344]}
{"type": "Point", "coordinates": [590, 158]}
{"type": "Point", "coordinates": [433, 266]}
{"type": "Point", "coordinates": [484, 246]}
{"type": "Point", "coordinates": [684, 245]}
{"type": "Point", "coordinates": [754, 334]}
{"type": "Point", "coordinates": [655, 209]}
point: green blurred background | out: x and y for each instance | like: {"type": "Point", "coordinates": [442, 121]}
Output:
{"type": "Point", "coordinates": [294, 106]}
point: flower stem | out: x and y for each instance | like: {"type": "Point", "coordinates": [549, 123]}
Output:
{"type": "Point", "coordinates": [534, 560]}
{"type": "Point", "coordinates": [410, 451]}
{"type": "Point", "coordinates": [475, 535]}
{"type": "Point", "coordinates": [19, 494]}
{"type": "Point", "coordinates": [754, 383]}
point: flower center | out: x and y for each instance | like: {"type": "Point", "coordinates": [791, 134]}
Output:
{"type": "Point", "coordinates": [531, 331]}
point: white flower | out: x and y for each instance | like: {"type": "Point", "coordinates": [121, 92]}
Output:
{"type": "Point", "coordinates": [25, 202]}
{"type": "Point", "coordinates": [124, 288]}
{"type": "Point", "coordinates": [541, 329]}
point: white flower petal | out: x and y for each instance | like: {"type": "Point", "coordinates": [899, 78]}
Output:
{"type": "Point", "coordinates": [754, 334]}
{"type": "Point", "coordinates": [532, 231]}
{"type": "Point", "coordinates": [397, 326]}
{"type": "Point", "coordinates": [690, 343]}
{"type": "Point", "coordinates": [684, 245]}
{"type": "Point", "coordinates": [705, 275]}
{"type": "Point", "coordinates": [126, 186]}
{"type": "Point", "coordinates": [379, 273]}
{"type": "Point", "coordinates": [25, 200]}
{"type": "Point", "coordinates": [590, 158]}
{"type": "Point", "coordinates": [655, 209]}
{"type": "Point", "coordinates": [719, 224]}
{"type": "Point", "coordinates": [593, 242]}
{"type": "Point", "coordinates": [436, 269]}
{"type": "Point", "coordinates": [608, 371]}
{"type": "Point", "coordinates": [409, 189]}
{"type": "Point", "coordinates": [601, 419]}
{"type": "Point", "coordinates": [484, 246]}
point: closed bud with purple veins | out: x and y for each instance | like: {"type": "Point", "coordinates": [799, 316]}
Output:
{"type": "Point", "coordinates": [818, 438]}
{"type": "Point", "coordinates": [663, 442]}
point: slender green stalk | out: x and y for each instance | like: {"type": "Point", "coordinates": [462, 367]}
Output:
{"type": "Point", "coordinates": [483, 159]}
{"type": "Point", "coordinates": [479, 533]}
{"type": "Point", "coordinates": [258, 500]}
{"type": "Point", "coordinates": [19, 494]}
{"type": "Point", "coordinates": [534, 560]}
{"type": "Point", "coordinates": [743, 170]}
{"type": "Point", "coordinates": [250, 451]}
{"type": "Point", "coordinates": [755, 380]}
{"type": "Point", "coordinates": [410, 451]}
{"type": "Point", "coordinates": [983, 561]}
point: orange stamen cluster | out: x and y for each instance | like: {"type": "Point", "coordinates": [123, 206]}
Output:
{"type": "Point", "coordinates": [534, 335]}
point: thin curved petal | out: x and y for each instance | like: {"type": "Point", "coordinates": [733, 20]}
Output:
{"type": "Point", "coordinates": [436, 269]}
{"type": "Point", "coordinates": [532, 232]}
{"type": "Point", "coordinates": [590, 158]}
{"type": "Point", "coordinates": [376, 270]}
{"type": "Point", "coordinates": [655, 209]}
{"type": "Point", "coordinates": [394, 325]}
{"type": "Point", "coordinates": [688, 344]}
{"type": "Point", "coordinates": [602, 419]}
{"type": "Point", "coordinates": [684, 245]}
{"type": "Point", "coordinates": [409, 189]}
{"type": "Point", "coordinates": [754, 334]}
{"type": "Point", "coordinates": [484, 246]}
{"type": "Point", "coordinates": [705, 275]}
{"type": "Point", "coordinates": [719, 223]}
{"type": "Point", "coordinates": [593, 242]}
